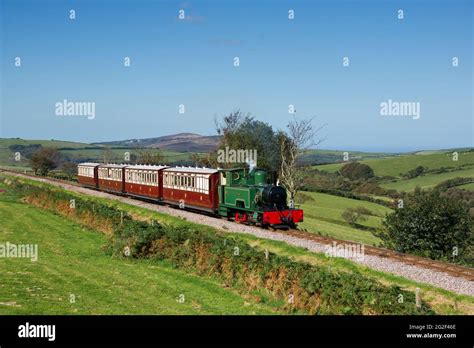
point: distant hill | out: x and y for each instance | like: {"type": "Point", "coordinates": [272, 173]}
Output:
{"type": "Point", "coordinates": [182, 142]}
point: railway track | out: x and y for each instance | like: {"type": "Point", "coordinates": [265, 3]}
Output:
{"type": "Point", "coordinates": [451, 269]}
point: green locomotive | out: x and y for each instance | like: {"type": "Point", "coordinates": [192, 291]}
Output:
{"type": "Point", "coordinates": [253, 197]}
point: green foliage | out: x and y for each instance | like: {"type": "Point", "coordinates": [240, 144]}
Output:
{"type": "Point", "coordinates": [243, 132]}
{"type": "Point", "coordinates": [69, 169]}
{"type": "Point", "coordinates": [25, 150]}
{"type": "Point", "coordinates": [316, 290]}
{"type": "Point", "coordinates": [356, 171]}
{"type": "Point", "coordinates": [431, 225]}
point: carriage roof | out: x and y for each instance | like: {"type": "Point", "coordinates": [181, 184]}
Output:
{"type": "Point", "coordinates": [88, 164]}
{"type": "Point", "coordinates": [146, 167]}
{"type": "Point", "coordinates": [197, 170]}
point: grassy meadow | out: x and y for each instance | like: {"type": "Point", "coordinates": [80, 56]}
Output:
{"type": "Point", "coordinates": [71, 264]}
{"type": "Point", "coordinates": [323, 215]}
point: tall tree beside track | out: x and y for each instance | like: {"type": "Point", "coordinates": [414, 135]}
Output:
{"type": "Point", "coordinates": [430, 225]}
{"type": "Point", "coordinates": [241, 131]}
{"type": "Point", "coordinates": [293, 144]}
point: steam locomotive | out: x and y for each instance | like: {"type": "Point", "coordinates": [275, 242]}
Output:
{"type": "Point", "coordinates": [246, 196]}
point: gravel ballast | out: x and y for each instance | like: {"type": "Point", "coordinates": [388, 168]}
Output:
{"type": "Point", "coordinates": [414, 272]}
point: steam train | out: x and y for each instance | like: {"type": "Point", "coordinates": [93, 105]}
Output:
{"type": "Point", "coordinates": [246, 196]}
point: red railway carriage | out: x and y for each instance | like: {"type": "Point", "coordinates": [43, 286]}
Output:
{"type": "Point", "coordinates": [87, 174]}
{"type": "Point", "coordinates": [144, 181]}
{"type": "Point", "coordinates": [111, 177]}
{"type": "Point", "coordinates": [192, 187]}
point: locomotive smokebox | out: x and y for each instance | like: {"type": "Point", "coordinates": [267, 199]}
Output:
{"type": "Point", "coordinates": [274, 194]}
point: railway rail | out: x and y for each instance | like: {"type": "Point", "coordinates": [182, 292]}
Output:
{"type": "Point", "coordinates": [438, 266]}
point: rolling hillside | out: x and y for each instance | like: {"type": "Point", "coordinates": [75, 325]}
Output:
{"type": "Point", "coordinates": [395, 166]}
{"type": "Point", "coordinates": [78, 152]}
{"type": "Point", "coordinates": [429, 180]}
{"type": "Point", "coordinates": [182, 142]}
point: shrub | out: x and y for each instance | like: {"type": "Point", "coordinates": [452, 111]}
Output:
{"type": "Point", "coordinates": [353, 215]}
{"type": "Point", "coordinates": [302, 198]}
{"type": "Point", "coordinates": [356, 171]}
{"type": "Point", "coordinates": [430, 225]}
{"type": "Point", "coordinates": [415, 172]}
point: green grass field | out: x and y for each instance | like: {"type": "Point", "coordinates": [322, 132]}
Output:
{"type": "Point", "coordinates": [323, 216]}
{"type": "Point", "coordinates": [394, 166]}
{"type": "Point", "coordinates": [71, 262]}
{"type": "Point", "coordinates": [427, 181]}
{"type": "Point", "coordinates": [332, 156]}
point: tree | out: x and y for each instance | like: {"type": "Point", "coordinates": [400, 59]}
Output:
{"type": "Point", "coordinates": [241, 131]}
{"type": "Point", "coordinates": [356, 171]}
{"type": "Point", "coordinates": [431, 225]}
{"type": "Point", "coordinates": [210, 160]}
{"type": "Point", "coordinates": [44, 160]}
{"type": "Point", "coordinates": [415, 172]}
{"type": "Point", "coordinates": [70, 169]}
{"type": "Point", "coordinates": [149, 156]}
{"type": "Point", "coordinates": [300, 136]}
{"type": "Point", "coordinates": [107, 154]}
{"type": "Point", "coordinates": [353, 215]}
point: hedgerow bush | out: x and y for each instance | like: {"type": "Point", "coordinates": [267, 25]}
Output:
{"type": "Point", "coordinates": [303, 288]}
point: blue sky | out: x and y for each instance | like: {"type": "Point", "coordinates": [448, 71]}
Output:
{"type": "Point", "coordinates": [282, 62]}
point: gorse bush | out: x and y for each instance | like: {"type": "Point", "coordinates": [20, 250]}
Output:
{"type": "Point", "coordinates": [298, 286]}
{"type": "Point", "coordinates": [430, 225]}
